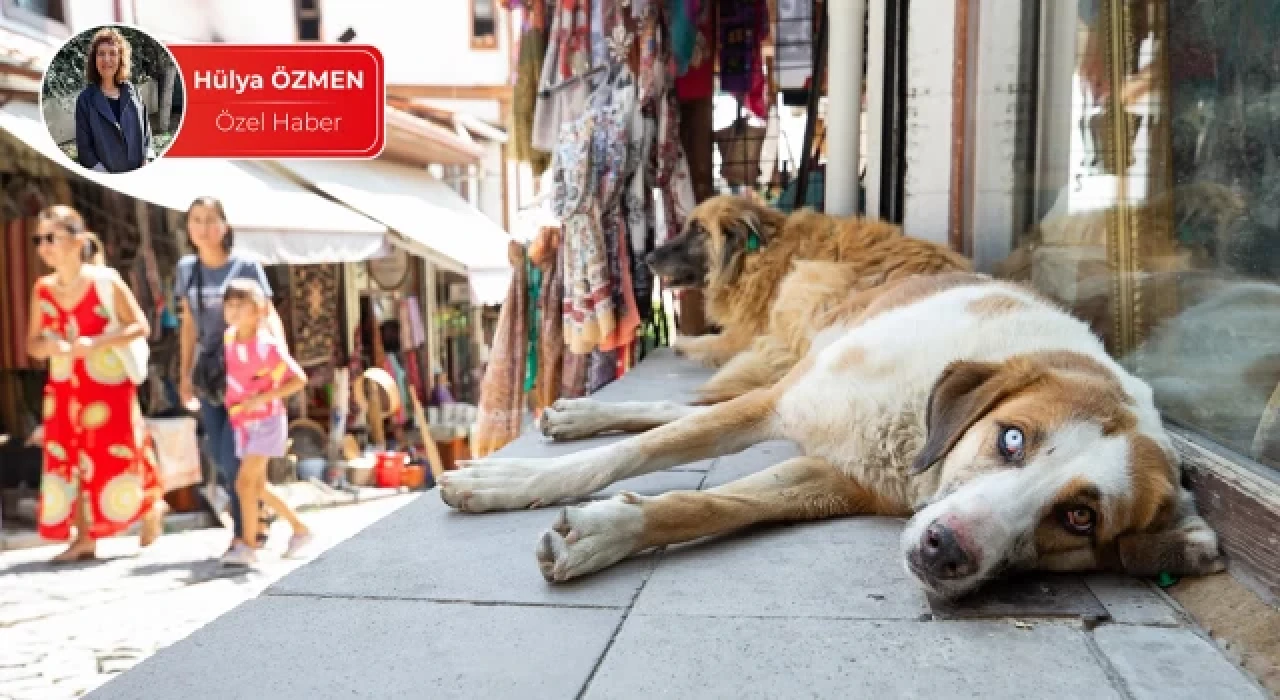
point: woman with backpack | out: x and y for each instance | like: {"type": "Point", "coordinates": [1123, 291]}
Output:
{"type": "Point", "coordinates": [100, 473]}
{"type": "Point", "coordinates": [201, 283]}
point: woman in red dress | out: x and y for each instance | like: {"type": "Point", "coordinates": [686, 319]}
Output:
{"type": "Point", "coordinates": [99, 466]}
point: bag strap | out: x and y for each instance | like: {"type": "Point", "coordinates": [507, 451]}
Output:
{"type": "Point", "coordinates": [102, 280]}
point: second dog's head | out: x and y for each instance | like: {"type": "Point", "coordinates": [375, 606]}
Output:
{"type": "Point", "coordinates": [715, 242]}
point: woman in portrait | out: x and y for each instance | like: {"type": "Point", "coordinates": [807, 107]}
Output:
{"type": "Point", "coordinates": [113, 134]}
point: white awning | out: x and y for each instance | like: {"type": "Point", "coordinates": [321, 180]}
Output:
{"type": "Point", "coordinates": [275, 220]}
{"type": "Point", "coordinates": [430, 219]}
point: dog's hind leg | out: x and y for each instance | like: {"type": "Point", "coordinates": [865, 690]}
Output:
{"type": "Point", "coordinates": [496, 483]}
{"type": "Point", "coordinates": [590, 537]}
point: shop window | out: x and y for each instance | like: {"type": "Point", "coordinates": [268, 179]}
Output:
{"type": "Point", "coordinates": [307, 15]}
{"type": "Point", "coordinates": [1157, 201]}
{"type": "Point", "coordinates": [49, 16]}
{"type": "Point", "coordinates": [484, 24]}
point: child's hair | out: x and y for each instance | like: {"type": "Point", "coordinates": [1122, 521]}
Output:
{"type": "Point", "coordinates": [242, 289]}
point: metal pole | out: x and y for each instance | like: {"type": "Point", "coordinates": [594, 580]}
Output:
{"type": "Point", "coordinates": [847, 20]}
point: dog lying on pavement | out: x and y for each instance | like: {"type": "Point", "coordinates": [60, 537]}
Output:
{"type": "Point", "coordinates": [768, 277]}
{"type": "Point", "coordinates": [991, 417]}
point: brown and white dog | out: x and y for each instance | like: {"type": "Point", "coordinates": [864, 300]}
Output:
{"type": "Point", "coordinates": [990, 416]}
{"type": "Point", "coordinates": [744, 257]}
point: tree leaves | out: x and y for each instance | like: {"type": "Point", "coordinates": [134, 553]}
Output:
{"type": "Point", "coordinates": [65, 77]}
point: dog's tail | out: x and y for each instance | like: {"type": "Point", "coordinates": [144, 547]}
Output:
{"type": "Point", "coordinates": [762, 366]}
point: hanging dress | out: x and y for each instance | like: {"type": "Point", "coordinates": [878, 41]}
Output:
{"type": "Point", "coordinates": [97, 453]}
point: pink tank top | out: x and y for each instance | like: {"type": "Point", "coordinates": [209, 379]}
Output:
{"type": "Point", "coordinates": [255, 367]}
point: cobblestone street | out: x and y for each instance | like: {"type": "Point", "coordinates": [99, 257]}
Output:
{"type": "Point", "coordinates": [65, 631]}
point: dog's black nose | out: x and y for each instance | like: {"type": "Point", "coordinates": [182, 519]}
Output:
{"type": "Point", "coordinates": [942, 555]}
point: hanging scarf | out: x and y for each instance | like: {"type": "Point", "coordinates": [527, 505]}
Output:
{"type": "Point", "coordinates": [524, 100]}
{"type": "Point", "coordinates": [534, 274]}
{"type": "Point", "coordinates": [611, 159]}
{"type": "Point", "coordinates": [588, 299]}
{"type": "Point", "coordinates": [545, 253]}
{"type": "Point", "coordinates": [739, 42]}
{"type": "Point", "coordinates": [574, 37]}
{"type": "Point", "coordinates": [501, 407]}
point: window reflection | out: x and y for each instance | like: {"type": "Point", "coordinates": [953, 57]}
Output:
{"type": "Point", "coordinates": [1158, 200]}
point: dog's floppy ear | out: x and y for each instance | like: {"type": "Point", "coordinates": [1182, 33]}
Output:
{"type": "Point", "coordinates": [965, 392]}
{"type": "Point", "coordinates": [742, 236]}
{"type": "Point", "coordinates": [1180, 542]}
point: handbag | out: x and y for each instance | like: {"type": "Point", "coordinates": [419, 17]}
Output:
{"type": "Point", "coordinates": [177, 451]}
{"type": "Point", "coordinates": [135, 354]}
{"type": "Point", "coordinates": [209, 375]}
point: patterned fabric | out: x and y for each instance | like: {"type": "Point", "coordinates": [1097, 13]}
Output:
{"type": "Point", "coordinates": [612, 163]}
{"type": "Point", "coordinates": [501, 407]}
{"type": "Point", "coordinates": [588, 299]}
{"type": "Point", "coordinates": [533, 50]}
{"type": "Point", "coordinates": [574, 38]}
{"type": "Point", "coordinates": [545, 253]}
{"type": "Point", "coordinates": [98, 454]}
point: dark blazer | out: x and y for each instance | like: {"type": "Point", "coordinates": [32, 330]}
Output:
{"type": "Point", "coordinates": [118, 146]}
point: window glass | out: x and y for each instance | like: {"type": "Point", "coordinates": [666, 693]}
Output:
{"type": "Point", "coordinates": [1157, 200]}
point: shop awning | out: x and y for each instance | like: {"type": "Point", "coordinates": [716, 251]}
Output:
{"type": "Point", "coordinates": [275, 220]}
{"type": "Point", "coordinates": [428, 218]}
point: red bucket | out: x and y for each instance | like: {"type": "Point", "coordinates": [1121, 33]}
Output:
{"type": "Point", "coordinates": [389, 469]}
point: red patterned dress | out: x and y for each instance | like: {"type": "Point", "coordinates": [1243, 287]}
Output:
{"type": "Point", "coordinates": [97, 452]}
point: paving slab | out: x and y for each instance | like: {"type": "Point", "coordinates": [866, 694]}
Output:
{"type": "Point", "coordinates": [1158, 663]}
{"type": "Point", "coordinates": [428, 551]}
{"type": "Point", "coordinates": [279, 647]}
{"type": "Point", "coordinates": [691, 657]}
{"type": "Point", "coordinates": [1132, 601]}
{"type": "Point", "coordinates": [1027, 595]}
{"type": "Point", "coordinates": [751, 460]}
{"type": "Point", "coordinates": [847, 568]}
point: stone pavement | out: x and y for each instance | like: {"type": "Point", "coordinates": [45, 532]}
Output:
{"type": "Point", "coordinates": [67, 630]}
{"type": "Point", "coordinates": [433, 603]}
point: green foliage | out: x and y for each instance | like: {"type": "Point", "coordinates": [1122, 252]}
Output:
{"type": "Point", "coordinates": [65, 77]}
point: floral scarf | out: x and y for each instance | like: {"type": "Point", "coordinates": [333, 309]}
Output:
{"type": "Point", "coordinates": [501, 408]}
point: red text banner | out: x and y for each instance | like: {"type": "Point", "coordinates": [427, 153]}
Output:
{"type": "Point", "coordinates": [280, 101]}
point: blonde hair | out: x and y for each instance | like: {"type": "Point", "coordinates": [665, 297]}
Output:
{"type": "Point", "coordinates": [69, 220]}
{"type": "Point", "coordinates": [108, 35]}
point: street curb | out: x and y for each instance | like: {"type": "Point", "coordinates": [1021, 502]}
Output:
{"type": "Point", "coordinates": [183, 522]}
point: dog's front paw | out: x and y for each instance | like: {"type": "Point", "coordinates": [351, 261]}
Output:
{"type": "Point", "coordinates": [497, 484]}
{"type": "Point", "coordinates": [588, 538]}
{"type": "Point", "coordinates": [572, 419]}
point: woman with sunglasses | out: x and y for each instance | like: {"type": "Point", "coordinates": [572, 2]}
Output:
{"type": "Point", "coordinates": [99, 466]}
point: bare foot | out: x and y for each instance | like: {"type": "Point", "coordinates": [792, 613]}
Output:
{"type": "Point", "coordinates": [80, 550]}
{"type": "Point", "coordinates": [152, 524]}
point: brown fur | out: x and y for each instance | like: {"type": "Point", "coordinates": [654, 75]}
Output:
{"type": "Point", "coordinates": [807, 273]}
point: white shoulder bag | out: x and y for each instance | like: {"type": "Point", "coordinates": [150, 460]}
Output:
{"type": "Point", "coordinates": [135, 354]}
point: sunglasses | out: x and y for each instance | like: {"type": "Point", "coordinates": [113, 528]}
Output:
{"type": "Point", "coordinates": [39, 238]}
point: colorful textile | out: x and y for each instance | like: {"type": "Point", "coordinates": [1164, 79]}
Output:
{"type": "Point", "coordinates": [588, 286]}
{"type": "Point", "coordinates": [501, 407]}
{"type": "Point", "coordinates": [98, 454]}
{"type": "Point", "coordinates": [545, 253]}
{"type": "Point", "coordinates": [415, 332]}
{"type": "Point", "coordinates": [697, 80]}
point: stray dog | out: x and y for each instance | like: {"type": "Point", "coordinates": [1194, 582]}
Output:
{"type": "Point", "coordinates": [993, 418]}
{"type": "Point", "coordinates": [745, 257]}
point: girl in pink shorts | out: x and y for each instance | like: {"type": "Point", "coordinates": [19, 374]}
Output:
{"type": "Point", "coordinates": [260, 375]}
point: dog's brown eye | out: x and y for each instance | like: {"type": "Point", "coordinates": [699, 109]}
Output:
{"type": "Point", "coordinates": [1079, 519]}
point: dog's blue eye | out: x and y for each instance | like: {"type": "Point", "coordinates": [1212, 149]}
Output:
{"type": "Point", "coordinates": [1011, 442]}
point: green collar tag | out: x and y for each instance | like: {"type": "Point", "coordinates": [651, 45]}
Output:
{"type": "Point", "coordinates": [753, 242]}
{"type": "Point", "coordinates": [1166, 579]}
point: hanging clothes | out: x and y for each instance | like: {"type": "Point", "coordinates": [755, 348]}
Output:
{"type": "Point", "coordinates": [611, 161]}
{"type": "Point", "coordinates": [545, 253]}
{"type": "Point", "coordinates": [533, 51]}
{"type": "Point", "coordinates": [501, 406]}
